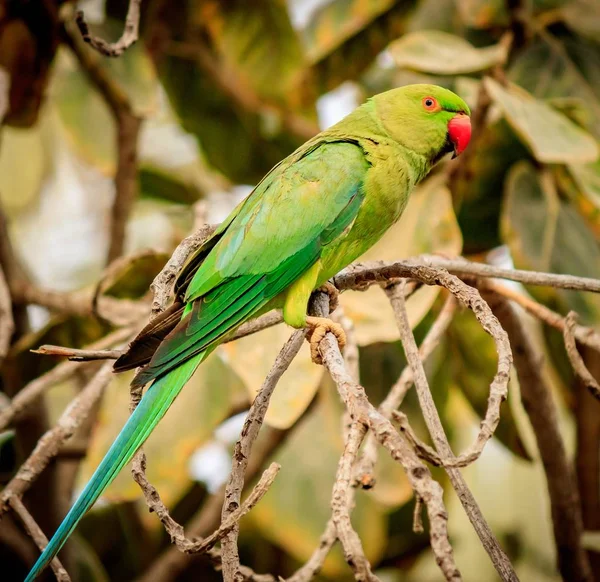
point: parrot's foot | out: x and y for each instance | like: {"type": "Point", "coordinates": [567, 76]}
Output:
{"type": "Point", "coordinates": [333, 293]}
{"type": "Point", "coordinates": [318, 328]}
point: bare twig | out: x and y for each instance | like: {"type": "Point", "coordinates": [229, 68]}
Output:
{"type": "Point", "coordinates": [362, 411]}
{"type": "Point", "coordinates": [575, 357]}
{"type": "Point", "coordinates": [7, 325]}
{"type": "Point", "coordinates": [314, 564]}
{"type": "Point", "coordinates": [162, 285]}
{"type": "Point", "coordinates": [37, 535]}
{"type": "Point", "coordinates": [37, 387]}
{"type": "Point", "coordinates": [366, 465]}
{"type": "Point", "coordinates": [436, 430]}
{"type": "Point", "coordinates": [359, 275]}
{"type": "Point", "coordinates": [128, 129]}
{"type": "Point", "coordinates": [49, 445]}
{"type": "Point", "coordinates": [584, 335]}
{"type": "Point", "coordinates": [469, 297]}
{"type": "Point", "coordinates": [76, 355]}
{"type": "Point", "coordinates": [128, 38]}
{"type": "Point", "coordinates": [176, 531]}
{"type": "Point", "coordinates": [243, 447]}
{"type": "Point", "coordinates": [560, 476]}
{"type": "Point", "coordinates": [341, 504]}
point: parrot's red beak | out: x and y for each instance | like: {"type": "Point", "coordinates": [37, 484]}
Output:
{"type": "Point", "coordinates": [459, 132]}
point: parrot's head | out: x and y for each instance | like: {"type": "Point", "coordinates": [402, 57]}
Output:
{"type": "Point", "coordinates": [427, 119]}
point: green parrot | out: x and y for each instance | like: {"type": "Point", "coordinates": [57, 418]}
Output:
{"type": "Point", "coordinates": [314, 213]}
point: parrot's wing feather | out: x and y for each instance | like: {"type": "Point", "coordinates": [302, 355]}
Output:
{"type": "Point", "coordinates": [275, 236]}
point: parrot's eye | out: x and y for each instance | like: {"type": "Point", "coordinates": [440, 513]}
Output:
{"type": "Point", "coordinates": [430, 104]}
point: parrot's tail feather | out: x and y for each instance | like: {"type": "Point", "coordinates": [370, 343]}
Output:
{"type": "Point", "coordinates": [146, 416]}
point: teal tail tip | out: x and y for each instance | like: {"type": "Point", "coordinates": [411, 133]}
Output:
{"type": "Point", "coordinates": [153, 406]}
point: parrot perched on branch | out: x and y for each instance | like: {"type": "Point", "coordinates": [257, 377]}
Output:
{"type": "Point", "coordinates": [311, 215]}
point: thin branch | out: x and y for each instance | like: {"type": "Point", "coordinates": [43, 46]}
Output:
{"type": "Point", "coordinates": [76, 355]}
{"type": "Point", "coordinates": [128, 38]}
{"type": "Point", "coordinates": [584, 335]}
{"type": "Point", "coordinates": [361, 410]}
{"type": "Point", "coordinates": [314, 564]}
{"type": "Point", "coordinates": [128, 129]}
{"type": "Point", "coordinates": [243, 448]}
{"type": "Point", "coordinates": [360, 275]}
{"type": "Point", "coordinates": [560, 476]}
{"type": "Point", "coordinates": [50, 444]}
{"type": "Point", "coordinates": [436, 430]}
{"type": "Point", "coordinates": [469, 297]}
{"type": "Point", "coordinates": [575, 358]}
{"type": "Point", "coordinates": [162, 285]}
{"type": "Point", "coordinates": [32, 391]}
{"type": "Point", "coordinates": [365, 477]}
{"type": "Point", "coordinates": [37, 535]}
{"type": "Point", "coordinates": [341, 502]}
{"type": "Point", "coordinates": [7, 325]}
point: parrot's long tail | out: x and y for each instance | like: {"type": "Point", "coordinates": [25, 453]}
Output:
{"type": "Point", "coordinates": [153, 406]}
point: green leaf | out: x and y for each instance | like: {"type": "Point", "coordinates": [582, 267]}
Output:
{"type": "Point", "coordinates": [440, 53]}
{"type": "Point", "coordinates": [478, 192]}
{"type": "Point", "coordinates": [257, 43]}
{"type": "Point", "coordinates": [483, 13]}
{"type": "Point", "coordinates": [235, 142]}
{"type": "Point", "coordinates": [562, 67]}
{"type": "Point", "coordinates": [545, 233]}
{"type": "Point", "coordinates": [551, 136]}
{"type": "Point", "coordinates": [470, 354]}
{"type": "Point", "coordinates": [308, 462]}
{"type": "Point", "coordinates": [88, 122]}
{"type": "Point", "coordinates": [157, 183]}
{"type": "Point", "coordinates": [336, 22]}
{"type": "Point", "coordinates": [587, 177]}
{"type": "Point", "coordinates": [344, 37]}
{"type": "Point", "coordinates": [131, 278]}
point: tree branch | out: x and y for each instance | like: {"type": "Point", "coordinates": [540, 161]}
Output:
{"type": "Point", "coordinates": [7, 325]}
{"type": "Point", "coordinates": [128, 38]}
{"type": "Point", "coordinates": [575, 357]}
{"type": "Point", "coordinates": [560, 476]}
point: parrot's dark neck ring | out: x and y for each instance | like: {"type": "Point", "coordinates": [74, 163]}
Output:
{"type": "Point", "coordinates": [447, 148]}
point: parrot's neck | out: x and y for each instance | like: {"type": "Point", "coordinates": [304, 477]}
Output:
{"type": "Point", "coordinates": [364, 126]}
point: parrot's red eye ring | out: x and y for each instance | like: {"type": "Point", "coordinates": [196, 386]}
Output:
{"type": "Point", "coordinates": [430, 103]}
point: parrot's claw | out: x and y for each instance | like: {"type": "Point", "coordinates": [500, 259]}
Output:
{"type": "Point", "coordinates": [318, 327]}
{"type": "Point", "coordinates": [333, 293]}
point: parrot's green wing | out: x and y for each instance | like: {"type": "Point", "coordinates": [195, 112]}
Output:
{"type": "Point", "coordinates": [273, 237]}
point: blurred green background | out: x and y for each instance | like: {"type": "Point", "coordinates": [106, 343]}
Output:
{"type": "Point", "coordinates": [226, 89]}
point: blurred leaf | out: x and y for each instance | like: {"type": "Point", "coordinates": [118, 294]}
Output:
{"type": "Point", "coordinates": [206, 401]}
{"type": "Point", "coordinates": [252, 357]}
{"type": "Point", "coordinates": [256, 41]}
{"type": "Point", "coordinates": [583, 16]}
{"type": "Point", "coordinates": [132, 277]}
{"type": "Point", "coordinates": [562, 68]}
{"type": "Point", "coordinates": [428, 225]}
{"type": "Point", "coordinates": [88, 122]}
{"type": "Point", "coordinates": [478, 194]}
{"type": "Point", "coordinates": [483, 13]}
{"type": "Point", "coordinates": [471, 356]}
{"type": "Point", "coordinates": [544, 233]}
{"type": "Point", "coordinates": [552, 137]}
{"type": "Point", "coordinates": [23, 167]}
{"type": "Point", "coordinates": [235, 142]}
{"type": "Point", "coordinates": [434, 15]}
{"type": "Point", "coordinates": [156, 183]}
{"type": "Point", "coordinates": [309, 460]}
{"type": "Point", "coordinates": [587, 177]}
{"type": "Point", "coordinates": [440, 53]}
{"type": "Point", "coordinates": [344, 36]}
{"type": "Point", "coordinates": [339, 20]}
